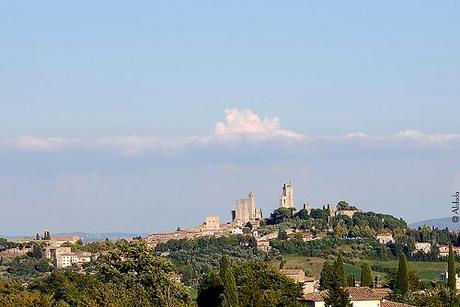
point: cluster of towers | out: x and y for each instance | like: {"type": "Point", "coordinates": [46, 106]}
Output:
{"type": "Point", "coordinates": [246, 211]}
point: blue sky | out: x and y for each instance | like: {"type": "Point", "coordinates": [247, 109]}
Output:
{"type": "Point", "coordinates": [109, 109]}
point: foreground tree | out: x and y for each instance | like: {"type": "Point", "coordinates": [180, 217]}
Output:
{"type": "Point", "coordinates": [326, 277]}
{"type": "Point", "coordinates": [402, 283]}
{"type": "Point", "coordinates": [440, 296]}
{"type": "Point", "coordinates": [260, 285]}
{"type": "Point", "coordinates": [337, 296]}
{"type": "Point", "coordinates": [133, 266]}
{"type": "Point", "coordinates": [210, 291]}
{"type": "Point", "coordinates": [339, 271]}
{"type": "Point", "coordinates": [230, 294]}
{"type": "Point", "coordinates": [366, 275]}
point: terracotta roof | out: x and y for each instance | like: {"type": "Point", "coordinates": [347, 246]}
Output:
{"type": "Point", "coordinates": [386, 303]}
{"type": "Point", "coordinates": [362, 294]}
{"type": "Point", "coordinates": [356, 294]}
{"type": "Point", "coordinates": [315, 296]}
{"type": "Point", "coordinates": [382, 292]}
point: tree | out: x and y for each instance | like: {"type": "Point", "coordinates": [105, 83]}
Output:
{"type": "Point", "coordinates": [37, 251]}
{"type": "Point", "coordinates": [340, 229]}
{"type": "Point", "coordinates": [440, 296]}
{"type": "Point", "coordinates": [260, 285]}
{"type": "Point", "coordinates": [402, 284]}
{"type": "Point", "coordinates": [132, 266]}
{"type": "Point", "coordinates": [337, 296]}
{"type": "Point", "coordinates": [339, 271]}
{"type": "Point", "coordinates": [351, 280]}
{"type": "Point", "coordinates": [282, 234]}
{"type": "Point", "coordinates": [230, 294]}
{"type": "Point", "coordinates": [210, 291]}
{"type": "Point", "coordinates": [326, 276]}
{"type": "Point", "coordinates": [366, 275]}
{"type": "Point", "coordinates": [451, 271]}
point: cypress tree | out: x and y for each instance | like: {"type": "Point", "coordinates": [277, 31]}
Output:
{"type": "Point", "coordinates": [326, 277]}
{"type": "Point", "coordinates": [339, 271]}
{"type": "Point", "coordinates": [366, 275]}
{"type": "Point", "coordinates": [451, 271]}
{"type": "Point", "coordinates": [230, 295]}
{"type": "Point", "coordinates": [337, 296]}
{"type": "Point", "coordinates": [402, 284]}
{"type": "Point", "coordinates": [210, 291]}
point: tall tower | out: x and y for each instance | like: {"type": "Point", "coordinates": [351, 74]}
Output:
{"type": "Point", "coordinates": [245, 210]}
{"type": "Point", "coordinates": [287, 198]}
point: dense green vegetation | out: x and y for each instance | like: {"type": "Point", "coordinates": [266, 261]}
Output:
{"type": "Point", "coordinates": [200, 256]}
{"type": "Point", "coordinates": [250, 283]}
{"type": "Point", "coordinates": [129, 275]}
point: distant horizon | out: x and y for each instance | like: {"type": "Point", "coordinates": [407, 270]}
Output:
{"type": "Point", "coordinates": [10, 236]}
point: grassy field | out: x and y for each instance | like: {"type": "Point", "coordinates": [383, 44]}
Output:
{"type": "Point", "coordinates": [313, 266]}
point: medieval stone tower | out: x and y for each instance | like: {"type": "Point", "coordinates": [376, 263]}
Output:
{"type": "Point", "coordinates": [287, 197]}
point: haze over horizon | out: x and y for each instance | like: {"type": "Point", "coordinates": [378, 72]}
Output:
{"type": "Point", "coordinates": [146, 117]}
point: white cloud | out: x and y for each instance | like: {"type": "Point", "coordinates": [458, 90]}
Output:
{"type": "Point", "coordinates": [239, 125]}
{"type": "Point", "coordinates": [43, 144]}
{"type": "Point", "coordinates": [248, 124]}
{"type": "Point", "coordinates": [428, 139]}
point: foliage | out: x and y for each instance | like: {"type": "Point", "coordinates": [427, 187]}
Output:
{"type": "Point", "coordinates": [336, 281]}
{"type": "Point", "coordinates": [279, 215]}
{"type": "Point", "coordinates": [402, 284]}
{"type": "Point", "coordinates": [326, 277]}
{"type": "Point", "coordinates": [27, 267]}
{"type": "Point", "coordinates": [257, 285]}
{"type": "Point", "coordinates": [194, 258]}
{"type": "Point", "coordinates": [440, 296]}
{"type": "Point", "coordinates": [230, 294]}
{"type": "Point", "coordinates": [366, 275]}
{"type": "Point", "coordinates": [210, 291]}
{"type": "Point", "coordinates": [282, 234]}
{"type": "Point", "coordinates": [134, 265]}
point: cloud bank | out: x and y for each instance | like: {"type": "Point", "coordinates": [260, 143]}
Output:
{"type": "Point", "coordinates": [238, 126]}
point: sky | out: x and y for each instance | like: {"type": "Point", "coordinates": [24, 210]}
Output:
{"type": "Point", "coordinates": [145, 116]}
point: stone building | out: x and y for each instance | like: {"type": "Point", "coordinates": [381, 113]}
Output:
{"type": "Point", "coordinates": [246, 211]}
{"type": "Point", "coordinates": [212, 223]}
{"type": "Point", "coordinates": [287, 197]}
{"type": "Point", "coordinates": [63, 257]}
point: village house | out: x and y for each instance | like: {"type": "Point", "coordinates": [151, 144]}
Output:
{"type": "Point", "coordinates": [424, 247]}
{"type": "Point", "coordinates": [263, 245]}
{"type": "Point", "coordinates": [308, 283]}
{"type": "Point", "coordinates": [63, 257]}
{"type": "Point", "coordinates": [385, 238]}
{"type": "Point", "coordinates": [308, 236]}
{"type": "Point", "coordinates": [444, 250]}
